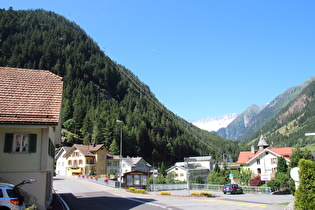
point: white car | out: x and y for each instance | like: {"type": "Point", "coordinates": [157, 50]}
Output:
{"type": "Point", "coordinates": [11, 197]}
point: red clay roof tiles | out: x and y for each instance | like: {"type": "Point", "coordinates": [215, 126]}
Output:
{"type": "Point", "coordinates": [244, 157]}
{"type": "Point", "coordinates": [29, 96]}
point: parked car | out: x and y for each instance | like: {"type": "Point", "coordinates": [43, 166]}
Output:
{"type": "Point", "coordinates": [232, 188]}
{"type": "Point", "coordinates": [11, 196]}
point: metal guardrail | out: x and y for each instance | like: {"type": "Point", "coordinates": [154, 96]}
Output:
{"type": "Point", "coordinates": [246, 189]}
{"type": "Point", "coordinates": [163, 187]}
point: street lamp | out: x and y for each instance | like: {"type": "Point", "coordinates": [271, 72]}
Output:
{"type": "Point", "coordinates": [120, 153]}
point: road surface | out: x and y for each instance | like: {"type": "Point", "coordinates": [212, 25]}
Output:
{"type": "Point", "coordinates": [81, 194]}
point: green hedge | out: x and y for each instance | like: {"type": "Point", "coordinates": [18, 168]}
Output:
{"type": "Point", "coordinates": [305, 194]}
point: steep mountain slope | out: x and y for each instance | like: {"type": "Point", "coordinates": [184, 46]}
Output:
{"type": "Point", "coordinates": [215, 123]}
{"type": "Point", "coordinates": [239, 124]}
{"type": "Point", "coordinates": [98, 91]}
{"type": "Point", "coordinates": [254, 117]}
{"type": "Point", "coordinates": [289, 126]}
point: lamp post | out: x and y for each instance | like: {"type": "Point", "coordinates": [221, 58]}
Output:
{"type": "Point", "coordinates": [120, 154]}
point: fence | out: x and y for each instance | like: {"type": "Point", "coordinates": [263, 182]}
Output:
{"type": "Point", "coordinates": [246, 189]}
{"type": "Point", "coordinates": [107, 182]}
{"type": "Point", "coordinates": [163, 187]}
{"type": "Point", "coordinates": [168, 187]}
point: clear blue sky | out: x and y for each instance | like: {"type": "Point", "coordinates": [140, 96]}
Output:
{"type": "Point", "coordinates": [201, 58]}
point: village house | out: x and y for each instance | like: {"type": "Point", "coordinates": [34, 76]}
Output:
{"type": "Point", "coordinates": [199, 166]}
{"type": "Point", "coordinates": [112, 164]}
{"type": "Point", "coordinates": [264, 162]}
{"type": "Point", "coordinates": [86, 160]}
{"type": "Point", "coordinates": [61, 161]}
{"type": "Point", "coordinates": [30, 127]}
{"type": "Point", "coordinates": [134, 164]}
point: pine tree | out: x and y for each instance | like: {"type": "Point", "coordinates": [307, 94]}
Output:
{"type": "Point", "coordinates": [113, 148]}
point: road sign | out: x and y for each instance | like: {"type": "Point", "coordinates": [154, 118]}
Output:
{"type": "Point", "coordinates": [265, 177]}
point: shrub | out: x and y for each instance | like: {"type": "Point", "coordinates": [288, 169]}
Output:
{"type": "Point", "coordinates": [202, 194]}
{"type": "Point", "coordinates": [305, 194]}
{"type": "Point", "coordinates": [165, 193]}
{"type": "Point", "coordinates": [256, 181]}
{"type": "Point", "coordinates": [132, 189]}
{"type": "Point", "coordinates": [274, 183]}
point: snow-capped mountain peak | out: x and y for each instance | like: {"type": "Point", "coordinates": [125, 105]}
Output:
{"type": "Point", "coordinates": [215, 123]}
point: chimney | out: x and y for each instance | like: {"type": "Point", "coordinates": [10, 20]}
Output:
{"type": "Point", "coordinates": [252, 149]}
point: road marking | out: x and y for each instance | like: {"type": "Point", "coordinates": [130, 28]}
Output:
{"type": "Point", "coordinates": [239, 203]}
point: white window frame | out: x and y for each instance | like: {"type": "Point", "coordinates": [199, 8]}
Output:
{"type": "Point", "coordinates": [21, 143]}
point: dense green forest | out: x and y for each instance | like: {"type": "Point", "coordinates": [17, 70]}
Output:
{"type": "Point", "coordinates": [290, 130]}
{"type": "Point", "coordinates": [98, 91]}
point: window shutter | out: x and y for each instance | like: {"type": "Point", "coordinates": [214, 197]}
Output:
{"type": "Point", "coordinates": [33, 141]}
{"type": "Point", "coordinates": [8, 141]}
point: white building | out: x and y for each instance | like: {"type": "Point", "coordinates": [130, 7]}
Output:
{"type": "Point", "coordinates": [134, 164]}
{"type": "Point", "coordinates": [264, 162]}
{"type": "Point", "coordinates": [201, 166]}
{"type": "Point", "coordinates": [61, 161]}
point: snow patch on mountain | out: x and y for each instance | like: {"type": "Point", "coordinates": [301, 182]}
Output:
{"type": "Point", "coordinates": [215, 123]}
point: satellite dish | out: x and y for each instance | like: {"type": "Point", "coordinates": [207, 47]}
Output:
{"type": "Point", "coordinates": [295, 174]}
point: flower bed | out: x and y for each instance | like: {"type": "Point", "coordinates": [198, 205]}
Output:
{"type": "Point", "coordinates": [165, 193]}
{"type": "Point", "coordinates": [202, 194]}
{"type": "Point", "coordinates": [134, 190]}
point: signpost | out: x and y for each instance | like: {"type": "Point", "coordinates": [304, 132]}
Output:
{"type": "Point", "coordinates": [187, 171]}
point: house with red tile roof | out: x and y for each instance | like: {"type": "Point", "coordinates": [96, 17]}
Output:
{"type": "Point", "coordinates": [30, 127]}
{"type": "Point", "coordinates": [264, 162]}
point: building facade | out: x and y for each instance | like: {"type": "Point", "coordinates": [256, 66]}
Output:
{"type": "Point", "coordinates": [264, 162]}
{"type": "Point", "coordinates": [30, 127]}
{"type": "Point", "coordinates": [86, 160]}
{"type": "Point", "coordinates": [199, 166]}
{"type": "Point", "coordinates": [61, 161]}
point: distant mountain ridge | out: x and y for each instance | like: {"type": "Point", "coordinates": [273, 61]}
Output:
{"type": "Point", "coordinates": [215, 123]}
{"type": "Point", "coordinates": [289, 126]}
{"type": "Point", "coordinates": [251, 120]}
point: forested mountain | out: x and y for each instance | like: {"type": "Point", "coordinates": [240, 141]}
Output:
{"type": "Point", "coordinates": [98, 91]}
{"type": "Point", "coordinates": [254, 117]}
{"type": "Point", "coordinates": [289, 126]}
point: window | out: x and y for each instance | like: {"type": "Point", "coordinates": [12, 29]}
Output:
{"type": "Point", "coordinates": [274, 161]}
{"type": "Point", "coordinates": [80, 162]}
{"type": "Point", "coordinates": [20, 143]}
{"type": "Point", "coordinates": [258, 161]}
{"type": "Point", "coordinates": [69, 162]}
{"type": "Point", "coordinates": [258, 170]}
{"type": "Point", "coordinates": [103, 157]}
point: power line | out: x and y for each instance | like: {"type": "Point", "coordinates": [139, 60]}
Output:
{"type": "Point", "coordinates": [159, 106]}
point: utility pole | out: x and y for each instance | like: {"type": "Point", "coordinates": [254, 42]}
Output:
{"type": "Point", "coordinates": [120, 155]}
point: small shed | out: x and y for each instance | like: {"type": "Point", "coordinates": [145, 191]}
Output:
{"type": "Point", "coordinates": [136, 179]}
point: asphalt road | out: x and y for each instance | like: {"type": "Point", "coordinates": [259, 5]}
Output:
{"type": "Point", "coordinates": [81, 194]}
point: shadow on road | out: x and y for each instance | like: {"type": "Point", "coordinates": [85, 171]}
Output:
{"type": "Point", "coordinates": [85, 202]}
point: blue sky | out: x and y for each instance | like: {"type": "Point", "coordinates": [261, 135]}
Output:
{"type": "Point", "coordinates": [201, 58]}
